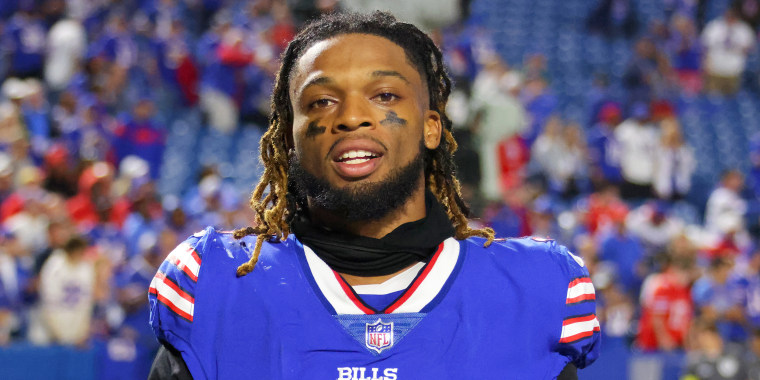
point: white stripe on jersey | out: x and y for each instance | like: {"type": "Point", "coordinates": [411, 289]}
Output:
{"type": "Point", "coordinates": [329, 285]}
{"type": "Point", "coordinates": [185, 260]}
{"type": "Point", "coordinates": [579, 328]}
{"type": "Point", "coordinates": [165, 290]}
{"type": "Point", "coordinates": [393, 284]}
{"type": "Point", "coordinates": [580, 289]}
{"type": "Point", "coordinates": [436, 278]}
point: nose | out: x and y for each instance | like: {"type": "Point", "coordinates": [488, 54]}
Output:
{"type": "Point", "coordinates": [353, 114]}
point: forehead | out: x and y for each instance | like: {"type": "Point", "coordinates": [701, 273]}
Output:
{"type": "Point", "coordinates": [346, 52]}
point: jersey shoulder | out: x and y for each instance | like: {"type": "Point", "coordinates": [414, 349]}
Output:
{"type": "Point", "coordinates": [549, 272]}
{"type": "Point", "coordinates": [198, 278]}
{"type": "Point", "coordinates": [532, 254]}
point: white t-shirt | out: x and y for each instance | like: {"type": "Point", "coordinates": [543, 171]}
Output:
{"type": "Point", "coordinates": [727, 46]}
{"type": "Point", "coordinates": [638, 143]}
{"type": "Point", "coordinates": [66, 297]}
{"type": "Point", "coordinates": [725, 211]}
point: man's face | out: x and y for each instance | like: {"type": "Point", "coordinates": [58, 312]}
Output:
{"type": "Point", "coordinates": [360, 110]}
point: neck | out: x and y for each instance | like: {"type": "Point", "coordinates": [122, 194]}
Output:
{"type": "Point", "coordinates": [413, 209]}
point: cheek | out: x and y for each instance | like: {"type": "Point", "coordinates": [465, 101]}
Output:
{"type": "Point", "coordinates": [307, 152]}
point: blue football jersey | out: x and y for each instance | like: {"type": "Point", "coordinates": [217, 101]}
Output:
{"type": "Point", "coordinates": [519, 309]}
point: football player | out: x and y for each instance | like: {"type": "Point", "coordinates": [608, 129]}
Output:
{"type": "Point", "coordinates": [360, 264]}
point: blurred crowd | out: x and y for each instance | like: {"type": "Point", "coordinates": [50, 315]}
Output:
{"type": "Point", "coordinates": [89, 90]}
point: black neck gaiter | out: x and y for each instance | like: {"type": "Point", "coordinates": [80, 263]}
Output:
{"type": "Point", "coordinates": [364, 256]}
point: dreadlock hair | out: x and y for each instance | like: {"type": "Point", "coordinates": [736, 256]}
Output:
{"type": "Point", "coordinates": [274, 210]}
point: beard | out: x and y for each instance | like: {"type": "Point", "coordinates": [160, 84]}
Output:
{"type": "Point", "coordinates": [363, 202]}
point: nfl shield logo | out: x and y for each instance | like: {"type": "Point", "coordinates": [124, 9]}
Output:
{"type": "Point", "coordinates": [379, 336]}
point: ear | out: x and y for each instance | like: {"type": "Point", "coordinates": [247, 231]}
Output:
{"type": "Point", "coordinates": [432, 129]}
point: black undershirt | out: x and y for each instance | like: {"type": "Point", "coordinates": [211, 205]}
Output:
{"type": "Point", "coordinates": [169, 365]}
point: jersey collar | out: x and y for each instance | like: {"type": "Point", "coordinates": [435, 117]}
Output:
{"type": "Point", "coordinates": [427, 289]}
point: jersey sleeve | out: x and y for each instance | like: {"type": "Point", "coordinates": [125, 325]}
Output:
{"type": "Point", "coordinates": [172, 295]}
{"type": "Point", "coordinates": [579, 338]}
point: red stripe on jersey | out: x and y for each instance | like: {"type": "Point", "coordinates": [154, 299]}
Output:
{"type": "Point", "coordinates": [174, 260]}
{"type": "Point", "coordinates": [174, 286]}
{"type": "Point", "coordinates": [581, 298]}
{"type": "Point", "coordinates": [174, 308]}
{"type": "Point", "coordinates": [350, 293]}
{"type": "Point", "coordinates": [579, 336]}
{"type": "Point", "coordinates": [195, 256]}
{"type": "Point", "coordinates": [416, 283]}
{"type": "Point", "coordinates": [579, 280]}
{"type": "Point", "coordinates": [582, 318]}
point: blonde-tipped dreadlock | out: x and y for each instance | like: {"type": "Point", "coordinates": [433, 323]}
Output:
{"type": "Point", "coordinates": [271, 212]}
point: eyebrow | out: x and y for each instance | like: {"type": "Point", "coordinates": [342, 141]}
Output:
{"type": "Point", "coordinates": [316, 81]}
{"type": "Point", "coordinates": [375, 74]}
{"type": "Point", "coordinates": [389, 73]}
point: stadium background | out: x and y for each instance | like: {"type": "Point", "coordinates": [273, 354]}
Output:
{"type": "Point", "coordinates": [134, 123]}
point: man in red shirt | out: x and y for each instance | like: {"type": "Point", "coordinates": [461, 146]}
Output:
{"type": "Point", "coordinates": [666, 307]}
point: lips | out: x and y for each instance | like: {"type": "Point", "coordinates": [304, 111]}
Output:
{"type": "Point", "coordinates": [357, 158]}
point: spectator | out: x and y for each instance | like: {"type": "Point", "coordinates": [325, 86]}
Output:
{"type": "Point", "coordinates": [712, 359]}
{"type": "Point", "coordinates": [727, 42]}
{"type": "Point", "coordinates": [140, 136]}
{"type": "Point", "coordinates": [748, 11]}
{"type": "Point", "coordinates": [67, 44]}
{"type": "Point", "coordinates": [543, 222]}
{"type": "Point", "coordinates": [685, 52]}
{"type": "Point", "coordinates": [617, 312]}
{"type": "Point", "coordinates": [675, 162]}
{"type": "Point", "coordinates": [613, 18]}
{"type": "Point", "coordinates": [603, 146]}
{"type": "Point", "coordinates": [513, 159]}
{"type": "Point", "coordinates": [751, 285]}
{"type": "Point", "coordinates": [754, 160]}
{"type": "Point", "coordinates": [97, 131]}
{"type": "Point", "coordinates": [12, 128]}
{"type": "Point", "coordinates": [652, 223]}
{"type": "Point", "coordinates": [647, 73]}
{"type": "Point", "coordinates": [6, 179]}
{"type": "Point", "coordinates": [725, 210]}
{"type": "Point", "coordinates": [638, 139]}
{"type": "Point", "coordinates": [36, 117]}
{"type": "Point", "coordinates": [31, 222]}
{"type": "Point", "coordinates": [66, 122]}
{"type": "Point", "coordinates": [603, 208]}
{"type": "Point", "coordinates": [176, 63]}
{"type": "Point", "coordinates": [222, 84]}
{"type": "Point", "coordinates": [94, 204]}
{"type": "Point", "coordinates": [500, 116]}
{"type": "Point", "coordinates": [60, 173]}
{"type": "Point", "coordinates": [510, 218]}
{"type": "Point", "coordinates": [666, 307]}
{"type": "Point", "coordinates": [59, 231]}
{"type": "Point", "coordinates": [24, 38]}
{"type": "Point", "coordinates": [540, 103]}
{"type": "Point", "coordinates": [13, 279]}
{"type": "Point", "coordinates": [625, 254]}
{"type": "Point", "coordinates": [719, 297]}
{"type": "Point", "coordinates": [561, 158]}
{"type": "Point", "coordinates": [67, 282]}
